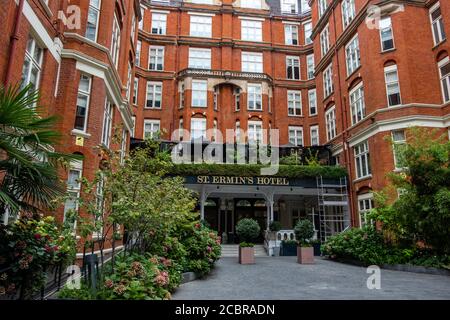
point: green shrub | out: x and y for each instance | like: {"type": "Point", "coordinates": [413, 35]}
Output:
{"type": "Point", "coordinates": [30, 247]}
{"type": "Point", "coordinates": [246, 245]}
{"type": "Point", "coordinates": [365, 245]}
{"type": "Point", "coordinates": [304, 231]}
{"type": "Point", "coordinates": [247, 230]}
{"type": "Point", "coordinates": [289, 242]}
{"type": "Point", "coordinates": [202, 247]}
{"type": "Point", "coordinates": [83, 293]}
{"type": "Point", "coordinates": [275, 226]}
{"type": "Point", "coordinates": [247, 170]}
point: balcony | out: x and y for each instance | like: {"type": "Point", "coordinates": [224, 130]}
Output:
{"type": "Point", "coordinates": [226, 74]}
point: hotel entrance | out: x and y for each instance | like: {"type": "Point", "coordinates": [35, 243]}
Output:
{"type": "Point", "coordinates": [254, 209]}
{"type": "Point", "coordinates": [223, 215]}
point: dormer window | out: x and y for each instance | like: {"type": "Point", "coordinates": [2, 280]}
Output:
{"type": "Point", "coordinates": [252, 4]}
{"type": "Point", "coordinates": [289, 6]}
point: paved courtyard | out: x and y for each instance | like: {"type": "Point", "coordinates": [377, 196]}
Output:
{"type": "Point", "coordinates": [282, 278]}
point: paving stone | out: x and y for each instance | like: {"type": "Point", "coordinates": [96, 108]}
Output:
{"type": "Point", "coordinates": [282, 278]}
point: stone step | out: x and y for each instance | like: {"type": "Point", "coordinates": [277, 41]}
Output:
{"type": "Point", "coordinates": [231, 250]}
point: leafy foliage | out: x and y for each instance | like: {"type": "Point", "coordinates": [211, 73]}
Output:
{"type": "Point", "coordinates": [304, 231]}
{"type": "Point", "coordinates": [247, 230]}
{"type": "Point", "coordinates": [246, 245]}
{"type": "Point", "coordinates": [148, 203]}
{"type": "Point", "coordinates": [30, 247]}
{"type": "Point", "coordinates": [202, 247]}
{"type": "Point", "coordinates": [28, 165]}
{"type": "Point", "coordinates": [422, 212]}
{"type": "Point", "coordinates": [369, 246]}
{"type": "Point", "coordinates": [365, 245]}
{"type": "Point", "coordinates": [275, 226]}
{"type": "Point", "coordinates": [289, 171]}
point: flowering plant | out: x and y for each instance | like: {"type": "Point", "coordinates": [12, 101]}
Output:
{"type": "Point", "coordinates": [139, 277]}
{"type": "Point", "coordinates": [202, 247]}
{"type": "Point", "coordinates": [28, 248]}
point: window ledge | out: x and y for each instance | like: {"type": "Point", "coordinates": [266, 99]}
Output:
{"type": "Point", "coordinates": [353, 72]}
{"type": "Point", "coordinates": [149, 108]}
{"type": "Point", "coordinates": [296, 116]}
{"type": "Point", "coordinates": [388, 50]}
{"type": "Point", "coordinates": [399, 170]}
{"type": "Point", "coordinates": [83, 134]}
{"type": "Point", "coordinates": [362, 178]}
{"type": "Point", "coordinates": [437, 45]}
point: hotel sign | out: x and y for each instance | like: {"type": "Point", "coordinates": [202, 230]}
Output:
{"type": "Point", "coordinates": [228, 180]}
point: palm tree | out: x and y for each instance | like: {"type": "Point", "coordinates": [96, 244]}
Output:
{"type": "Point", "coordinates": [28, 164]}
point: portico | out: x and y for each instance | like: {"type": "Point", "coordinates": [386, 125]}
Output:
{"type": "Point", "coordinates": [224, 200]}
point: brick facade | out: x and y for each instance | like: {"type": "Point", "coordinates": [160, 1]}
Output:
{"type": "Point", "coordinates": [414, 53]}
{"type": "Point", "coordinates": [67, 55]}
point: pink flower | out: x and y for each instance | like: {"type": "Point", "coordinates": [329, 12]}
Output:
{"type": "Point", "coordinates": [37, 236]}
{"type": "Point", "coordinates": [11, 288]}
{"type": "Point", "coordinates": [161, 278]}
{"type": "Point", "coordinates": [109, 283]}
{"type": "Point", "coordinates": [209, 249]}
{"type": "Point", "coordinates": [154, 260]}
{"type": "Point", "coordinates": [120, 289]}
{"type": "Point", "coordinates": [166, 262]}
{"type": "Point", "coordinates": [23, 264]}
{"type": "Point", "coordinates": [197, 225]}
{"type": "Point", "coordinates": [21, 245]}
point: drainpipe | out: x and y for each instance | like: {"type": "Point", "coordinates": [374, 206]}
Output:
{"type": "Point", "coordinates": [14, 40]}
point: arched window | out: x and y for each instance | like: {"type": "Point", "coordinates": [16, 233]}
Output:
{"type": "Point", "coordinates": [243, 203]}
{"type": "Point", "coordinates": [392, 84]}
{"type": "Point", "coordinates": [260, 203]}
{"type": "Point", "coordinates": [210, 203]}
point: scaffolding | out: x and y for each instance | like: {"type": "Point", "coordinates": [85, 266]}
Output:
{"type": "Point", "coordinates": [333, 205]}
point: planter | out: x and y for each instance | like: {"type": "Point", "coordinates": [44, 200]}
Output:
{"type": "Point", "coordinates": [305, 255]}
{"type": "Point", "coordinates": [288, 249]}
{"type": "Point", "coordinates": [317, 251]}
{"type": "Point", "coordinates": [276, 251]}
{"type": "Point", "coordinates": [246, 255]}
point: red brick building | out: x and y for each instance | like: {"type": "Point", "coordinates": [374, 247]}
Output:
{"type": "Point", "coordinates": [371, 69]}
{"type": "Point", "coordinates": [79, 54]}
{"type": "Point", "coordinates": [345, 73]}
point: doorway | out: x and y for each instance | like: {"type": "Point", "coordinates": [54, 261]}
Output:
{"type": "Point", "coordinates": [252, 209]}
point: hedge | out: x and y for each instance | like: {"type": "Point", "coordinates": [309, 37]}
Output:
{"type": "Point", "coordinates": [250, 170]}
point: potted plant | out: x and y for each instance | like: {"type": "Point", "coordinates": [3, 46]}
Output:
{"type": "Point", "coordinates": [247, 230]}
{"type": "Point", "coordinates": [316, 245]}
{"type": "Point", "coordinates": [304, 231]}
